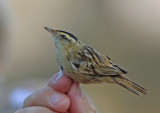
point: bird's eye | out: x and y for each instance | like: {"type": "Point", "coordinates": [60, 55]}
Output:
{"type": "Point", "coordinates": [63, 36]}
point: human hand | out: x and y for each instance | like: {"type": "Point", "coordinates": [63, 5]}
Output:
{"type": "Point", "coordinates": [61, 95]}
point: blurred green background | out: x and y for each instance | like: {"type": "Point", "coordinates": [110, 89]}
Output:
{"type": "Point", "coordinates": [126, 31]}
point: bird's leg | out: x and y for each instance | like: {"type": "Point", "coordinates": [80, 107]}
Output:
{"type": "Point", "coordinates": [60, 74]}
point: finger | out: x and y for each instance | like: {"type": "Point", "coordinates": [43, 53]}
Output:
{"type": "Point", "coordinates": [49, 98]}
{"type": "Point", "coordinates": [79, 103]}
{"type": "Point", "coordinates": [35, 109]}
{"type": "Point", "coordinates": [60, 83]}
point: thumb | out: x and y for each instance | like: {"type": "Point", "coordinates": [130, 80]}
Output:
{"type": "Point", "coordinates": [79, 102]}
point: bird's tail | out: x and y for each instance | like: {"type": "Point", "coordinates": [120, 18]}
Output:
{"type": "Point", "coordinates": [129, 85]}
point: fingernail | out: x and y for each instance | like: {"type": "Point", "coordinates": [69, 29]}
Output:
{"type": "Point", "coordinates": [76, 89]}
{"type": "Point", "coordinates": [80, 92]}
{"type": "Point", "coordinates": [56, 98]}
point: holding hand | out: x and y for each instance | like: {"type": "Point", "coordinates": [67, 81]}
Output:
{"type": "Point", "coordinates": [60, 95]}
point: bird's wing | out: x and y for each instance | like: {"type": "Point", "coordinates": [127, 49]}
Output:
{"type": "Point", "coordinates": [94, 63]}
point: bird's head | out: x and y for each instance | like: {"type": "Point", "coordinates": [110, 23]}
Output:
{"type": "Point", "coordinates": [63, 39]}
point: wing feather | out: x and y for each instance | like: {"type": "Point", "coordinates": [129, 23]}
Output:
{"type": "Point", "coordinates": [93, 63]}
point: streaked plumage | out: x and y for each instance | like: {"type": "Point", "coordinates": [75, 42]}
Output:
{"type": "Point", "coordinates": [85, 65]}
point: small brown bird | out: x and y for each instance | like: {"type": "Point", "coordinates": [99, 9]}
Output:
{"type": "Point", "coordinates": [85, 65]}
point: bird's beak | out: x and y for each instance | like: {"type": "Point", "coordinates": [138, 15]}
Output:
{"type": "Point", "coordinates": [49, 30]}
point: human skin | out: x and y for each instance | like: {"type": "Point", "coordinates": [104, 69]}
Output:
{"type": "Point", "coordinates": [60, 95]}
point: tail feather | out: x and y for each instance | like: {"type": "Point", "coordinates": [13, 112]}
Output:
{"type": "Point", "coordinates": [129, 85]}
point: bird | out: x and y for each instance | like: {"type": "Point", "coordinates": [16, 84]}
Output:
{"type": "Point", "coordinates": [86, 65]}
